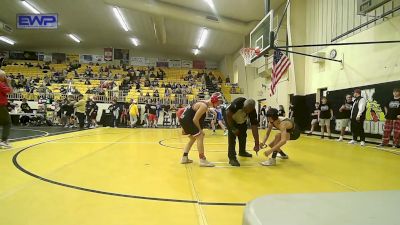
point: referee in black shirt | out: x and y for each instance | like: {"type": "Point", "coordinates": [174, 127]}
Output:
{"type": "Point", "coordinates": [236, 116]}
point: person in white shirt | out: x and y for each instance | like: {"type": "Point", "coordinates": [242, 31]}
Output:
{"type": "Point", "coordinates": [358, 113]}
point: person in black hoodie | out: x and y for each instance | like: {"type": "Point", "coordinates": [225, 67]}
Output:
{"type": "Point", "coordinates": [392, 116]}
{"type": "Point", "coordinates": [358, 117]}
{"type": "Point", "coordinates": [114, 109]}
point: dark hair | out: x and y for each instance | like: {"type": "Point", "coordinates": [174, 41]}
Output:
{"type": "Point", "coordinates": [273, 113]}
{"type": "Point", "coordinates": [396, 90]}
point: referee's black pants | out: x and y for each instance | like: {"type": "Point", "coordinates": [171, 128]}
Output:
{"type": "Point", "coordinates": [81, 119]}
{"type": "Point", "coordinates": [5, 121]}
{"type": "Point", "coordinates": [232, 140]}
{"type": "Point", "coordinates": [357, 129]}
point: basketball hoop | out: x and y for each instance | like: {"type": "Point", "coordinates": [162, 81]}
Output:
{"type": "Point", "coordinates": [248, 54]}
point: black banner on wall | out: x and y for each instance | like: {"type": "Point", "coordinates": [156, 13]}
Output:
{"type": "Point", "coordinates": [23, 55]}
{"type": "Point", "coordinates": [376, 95]}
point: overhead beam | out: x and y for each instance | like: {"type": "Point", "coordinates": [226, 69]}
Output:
{"type": "Point", "coordinates": [184, 14]}
{"type": "Point", "coordinates": [159, 29]}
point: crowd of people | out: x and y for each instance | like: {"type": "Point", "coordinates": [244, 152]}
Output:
{"type": "Point", "coordinates": [134, 79]}
{"type": "Point", "coordinates": [351, 116]}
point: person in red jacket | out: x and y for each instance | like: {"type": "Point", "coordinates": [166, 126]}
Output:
{"type": "Point", "coordinates": [5, 119]}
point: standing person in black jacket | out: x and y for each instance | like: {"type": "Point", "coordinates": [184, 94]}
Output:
{"type": "Point", "coordinates": [358, 117]}
{"type": "Point", "coordinates": [236, 116]}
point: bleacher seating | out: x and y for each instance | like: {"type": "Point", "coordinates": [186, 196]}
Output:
{"type": "Point", "coordinates": [173, 75]}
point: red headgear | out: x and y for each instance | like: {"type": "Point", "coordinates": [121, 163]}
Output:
{"type": "Point", "coordinates": [216, 97]}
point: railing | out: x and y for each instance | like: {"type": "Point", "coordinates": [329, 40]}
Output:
{"type": "Point", "coordinates": [178, 100]}
{"type": "Point", "coordinates": [107, 97]}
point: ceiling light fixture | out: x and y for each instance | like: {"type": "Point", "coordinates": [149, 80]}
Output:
{"type": "Point", "coordinates": [135, 41]}
{"type": "Point", "coordinates": [73, 37]}
{"type": "Point", "coordinates": [30, 7]}
{"type": "Point", "coordinates": [121, 20]}
{"type": "Point", "coordinates": [196, 51]}
{"type": "Point", "coordinates": [7, 40]}
{"type": "Point", "coordinates": [210, 3]}
{"type": "Point", "coordinates": [203, 38]}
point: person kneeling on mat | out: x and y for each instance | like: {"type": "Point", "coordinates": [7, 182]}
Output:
{"type": "Point", "coordinates": [236, 116]}
{"type": "Point", "coordinates": [288, 130]}
{"type": "Point", "coordinates": [191, 119]}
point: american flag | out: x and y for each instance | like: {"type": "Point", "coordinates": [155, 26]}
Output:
{"type": "Point", "coordinates": [280, 65]}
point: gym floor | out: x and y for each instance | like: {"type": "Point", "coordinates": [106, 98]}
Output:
{"type": "Point", "coordinates": [133, 176]}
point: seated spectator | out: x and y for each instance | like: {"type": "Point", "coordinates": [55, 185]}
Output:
{"type": "Point", "coordinates": [156, 94]}
{"type": "Point", "coordinates": [87, 82]}
{"type": "Point", "coordinates": [25, 106]}
{"type": "Point", "coordinates": [227, 80]}
{"type": "Point", "coordinates": [36, 80]}
{"type": "Point", "coordinates": [173, 86]}
{"type": "Point", "coordinates": [147, 83]}
{"type": "Point", "coordinates": [220, 80]}
{"type": "Point", "coordinates": [63, 90]}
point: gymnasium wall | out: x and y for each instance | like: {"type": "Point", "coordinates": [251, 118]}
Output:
{"type": "Point", "coordinates": [327, 20]}
{"type": "Point", "coordinates": [132, 53]}
{"type": "Point", "coordinates": [363, 64]}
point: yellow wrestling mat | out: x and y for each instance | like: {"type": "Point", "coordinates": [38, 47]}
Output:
{"type": "Point", "coordinates": [122, 176]}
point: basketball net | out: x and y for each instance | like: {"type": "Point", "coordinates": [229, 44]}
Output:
{"type": "Point", "coordinates": [248, 54]}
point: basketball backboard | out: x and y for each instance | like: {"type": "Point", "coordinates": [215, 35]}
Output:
{"type": "Point", "coordinates": [260, 35]}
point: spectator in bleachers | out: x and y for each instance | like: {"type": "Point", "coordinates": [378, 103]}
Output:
{"type": "Point", "coordinates": [147, 83]}
{"type": "Point", "coordinates": [13, 83]}
{"type": "Point", "coordinates": [167, 92]}
{"type": "Point", "coordinates": [233, 90]}
{"type": "Point", "coordinates": [156, 94]}
{"type": "Point", "coordinates": [63, 90]}
{"type": "Point", "coordinates": [25, 106]}
{"type": "Point", "coordinates": [173, 86]}
{"type": "Point", "coordinates": [168, 85]}
{"type": "Point", "coordinates": [154, 83]}
{"type": "Point", "coordinates": [137, 85]}
{"type": "Point", "coordinates": [36, 80]}
{"type": "Point", "coordinates": [87, 81]}
{"type": "Point", "coordinates": [227, 80]}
